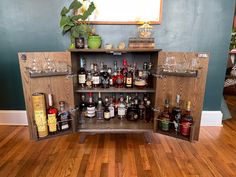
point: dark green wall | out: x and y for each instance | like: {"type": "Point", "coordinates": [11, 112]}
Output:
{"type": "Point", "coordinates": [188, 25]}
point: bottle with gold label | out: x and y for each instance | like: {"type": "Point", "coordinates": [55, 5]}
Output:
{"type": "Point", "coordinates": [129, 79]}
{"type": "Point", "coordinates": [165, 117]}
{"type": "Point", "coordinates": [52, 116]}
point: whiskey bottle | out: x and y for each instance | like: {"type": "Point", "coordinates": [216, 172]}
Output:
{"type": "Point", "coordinates": [176, 114]}
{"type": "Point", "coordinates": [165, 117]}
{"type": "Point", "coordinates": [121, 108]}
{"type": "Point", "coordinates": [105, 77]}
{"type": "Point", "coordinates": [96, 77]}
{"type": "Point", "coordinates": [119, 79]}
{"type": "Point", "coordinates": [142, 111]}
{"type": "Point", "coordinates": [52, 116]}
{"type": "Point", "coordinates": [132, 112]}
{"type": "Point", "coordinates": [149, 112]}
{"type": "Point", "coordinates": [150, 79]}
{"type": "Point", "coordinates": [124, 70]}
{"type": "Point", "coordinates": [89, 80]}
{"type": "Point", "coordinates": [129, 79]}
{"type": "Point", "coordinates": [100, 108]}
{"type": "Point", "coordinates": [91, 107]}
{"type": "Point", "coordinates": [111, 107]}
{"type": "Point", "coordinates": [111, 84]}
{"type": "Point", "coordinates": [107, 113]}
{"type": "Point", "coordinates": [63, 117]}
{"type": "Point", "coordinates": [186, 121]}
{"type": "Point", "coordinates": [82, 109]}
{"type": "Point", "coordinates": [82, 73]}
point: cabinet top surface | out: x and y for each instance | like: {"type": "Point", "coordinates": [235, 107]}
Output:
{"type": "Point", "coordinates": [115, 50]}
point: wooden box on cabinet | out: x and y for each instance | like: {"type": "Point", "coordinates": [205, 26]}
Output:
{"type": "Point", "coordinates": [65, 88]}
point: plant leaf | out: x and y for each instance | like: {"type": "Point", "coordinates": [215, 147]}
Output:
{"type": "Point", "coordinates": [89, 11]}
{"type": "Point", "coordinates": [76, 17]}
{"type": "Point", "coordinates": [66, 28]}
{"type": "Point", "coordinates": [64, 21]}
{"type": "Point", "coordinates": [75, 5]}
{"type": "Point", "coordinates": [64, 11]}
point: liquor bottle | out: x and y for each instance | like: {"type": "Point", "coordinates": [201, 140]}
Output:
{"type": "Point", "coordinates": [149, 112]}
{"type": "Point", "coordinates": [121, 108]}
{"type": "Point", "coordinates": [52, 116]}
{"type": "Point", "coordinates": [135, 71]}
{"type": "Point", "coordinates": [89, 80]}
{"type": "Point", "coordinates": [96, 77]}
{"type": "Point", "coordinates": [91, 107]}
{"type": "Point", "coordinates": [124, 70]}
{"type": "Point", "coordinates": [92, 68]}
{"type": "Point", "coordinates": [82, 109]}
{"type": "Point", "coordinates": [145, 71]}
{"type": "Point", "coordinates": [109, 70]}
{"type": "Point", "coordinates": [132, 112]}
{"type": "Point", "coordinates": [145, 98]}
{"type": "Point", "coordinates": [105, 77]}
{"type": "Point", "coordinates": [129, 79]}
{"type": "Point", "coordinates": [142, 111]}
{"type": "Point", "coordinates": [165, 117]}
{"type": "Point", "coordinates": [140, 81]}
{"type": "Point", "coordinates": [107, 113]}
{"type": "Point", "coordinates": [64, 117]}
{"type": "Point", "coordinates": [111, 107]}
{"type": "Point", "coordinates": [82, 73]}
{"type": "Point", "coordinates": [128, 101]}
{"type": "Point", "coordinates": [176, 114]}
{"type": "Point", "coordinates": [114, 74]}
{"type": "Point", "coordinates": [100, 108]}
{"type": "Point", "coordinates": [150, 79]}
{"type": "Point", "coordinates": [119, 79]}
{"type": "Point", "coordinates": [186, 121]}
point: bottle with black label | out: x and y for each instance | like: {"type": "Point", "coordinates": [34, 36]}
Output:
{"type": "Point", "coordinates": [64, 117]}
{"type": "Point", "coordinates": [176, 114]}
{"type": "Point", "coordinates": [105, 77]}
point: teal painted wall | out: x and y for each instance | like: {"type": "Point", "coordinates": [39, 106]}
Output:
{"type": "Point", "coordinates": [188, 25]}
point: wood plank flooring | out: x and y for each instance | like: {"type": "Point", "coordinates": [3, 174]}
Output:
{"type": "Point", "coordinates": [119, 155]}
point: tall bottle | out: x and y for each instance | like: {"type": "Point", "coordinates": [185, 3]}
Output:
{"type": "Point", "coordinates": [119, 79]}
{"type": "Point", "coordinates": [142, 111]}
{"type": "Point", "coordinates": [186, 121]}
{"type": "Point", "coordinates": [149, 111]}
{"type": "Point", "coordinates": [52, 116]}
{"type": "Point", "coordinates": [91, 106]}
{"type": "Point", "coordinates": [100, 108]}
{"type": "Point", "coordinates": [121, 108]}
{"type": "Point", "coordinates": [96, 76]}
{"type": "Point", "coordinates": [165, 117]}
{"type": "Point", "coordinates": [124, 70]}
{"type": "Point", "coordinates": [132, 112]}
{"type": "Point", "coordinates": [114, 73]}
{"type": "Point", "coordinates": [82, 109]}
{"type": "Point", "coordinates": [176, 114]}
{"type": "Point", "coordinates": [105, 77]}
{"type": "Point", "coordinates": [111, 107]}
{"type": "Point", "coordinates": [64, 117]}
{"type": "Point", "coordinates": [82, 73]}
{"type": "Point", "coordinates": [150, 79]}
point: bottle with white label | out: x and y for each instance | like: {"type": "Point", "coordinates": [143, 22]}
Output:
{"type": "Point", "coordinates": [96, 76]}
{"type": "Point", "coordinates": [111, 108]}
{"type": "Point", "coordinates": [107, 113]}
{"type": "Point", "coordinates": [64, 117]}
{"type": "Point", "coordinates": [82, 73]}
{"type": "Point", "coordinates": [91, 107]}
{"type": "Point", "coordinates": [121, 108]}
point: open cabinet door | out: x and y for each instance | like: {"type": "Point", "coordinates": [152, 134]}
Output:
{"type": "Point", "coordinates": [190, 87]}
{"type": "Point", "coordinates": [56, 83]}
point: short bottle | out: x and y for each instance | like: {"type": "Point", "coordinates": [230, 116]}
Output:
{"type": "Point", "coordinates": [111, 107]}
{"type": "Point", "coordinates": [107, 113]}
{"type": "Point", "coordinates": [186, 121]}
{"type": "Point", "coordinates": [91, 107]}
{"type": "Point", "coordinates": [64, 116]}
{"type": "Point", "coordinates": [165, 117]}
{"type": "Point", "coordinates": [132, 112]}
{"type": "Point", "coordinates": [52, 116]}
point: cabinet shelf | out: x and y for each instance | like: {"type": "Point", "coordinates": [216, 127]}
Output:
{"type": "Point", "coordinates": [56, 134]}
{"type": "Point", "coordinates": [179, 74]}
{"type": "Point", "coordinates": [116, 90]}
{"type": "Point", "coordinates": [35, 75]}
{"type": "Point", "coordinates": [114, 51]}
{"type": "Point", "coordinates": [114, 125]}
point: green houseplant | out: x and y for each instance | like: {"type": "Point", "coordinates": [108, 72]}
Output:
{"type": "Point", "coordinates": [76, 24]}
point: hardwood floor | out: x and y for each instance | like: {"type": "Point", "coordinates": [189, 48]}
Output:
{"type": "Point", "coordinates": [119, 155]}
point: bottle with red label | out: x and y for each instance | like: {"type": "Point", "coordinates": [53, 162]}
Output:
{"type": "Point", "coordinates": [52, 116]}
{"type": "Point", "coordinates": [186, 121]}
{"type": "Point", "coordinates": [119, 81]}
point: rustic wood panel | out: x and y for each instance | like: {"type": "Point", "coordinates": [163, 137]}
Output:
{"type": "Point", "coordinates": [189, 88]}
{"type": "Point", "coordinates": [60, 86]}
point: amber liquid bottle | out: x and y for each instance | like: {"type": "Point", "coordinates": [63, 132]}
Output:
{"type": "Point", "coordinates": [52, 116]}
{"type": "Point", "coordinates": [82, 73]}
{"type": "Point", "coordinates": [186, 121]}
{"type": "Point", "coordinates": [165, 117]}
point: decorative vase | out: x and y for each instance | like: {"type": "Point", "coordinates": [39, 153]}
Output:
{"type": "Point", "coordinates": [94, 42]}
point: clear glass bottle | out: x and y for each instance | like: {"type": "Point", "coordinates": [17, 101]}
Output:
{"type": "Point", "coordinates": [100, 108]}
{"type": "Point", "coordinates": [64, 117]}
{"type": "Point", "coordinates": [105, 77]}
{"type": "Point", "coordinates": [111, 84]}
{"type": "Point", "coordinates": [111, 107]}
{"type": "Point", "coordinates": [91, 106]}
{"type": "Point", "coordinates": [149, 112]}
{"type": "Point", "coordinates": [82, 73]}
{"type": "Point", "coordinates": [142, 111]}
{"type": "Point", "coordinates": [121, 108]}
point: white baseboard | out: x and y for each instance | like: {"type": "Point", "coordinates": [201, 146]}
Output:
{"type": "Point", "coordinates": [13, 117]}
{"type": "Point", "coordinates": [10, 117]}
{"type": "Point", "coordinates": [211, 118]}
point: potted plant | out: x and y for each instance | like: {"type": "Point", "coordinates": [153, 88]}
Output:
{"type": "Point", "coordinates": [74, 23]}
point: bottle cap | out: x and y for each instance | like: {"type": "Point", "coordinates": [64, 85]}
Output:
{"type": "Point", "coordinates": [50, 99]}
